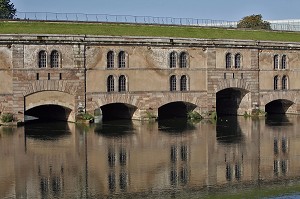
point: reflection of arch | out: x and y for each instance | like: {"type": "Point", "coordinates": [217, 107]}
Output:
{"type": "Point", "coordinates": [177, 109]}
{"type": "Point", "coordinates": [231, 101]}
{"type": "Point", "coordinates": [114, 129]}
{"type": "Point", "coordinates": [115, 111]}
{"type": "Point", "coordinates": [279, 106]}
{"type": "Point", "coordinates": [175, 126]}
{"type": "Point", "coordinates": [59, 130]}
{"type": "Point", "coordinates": [53, 99]}
{"type": "Point", "coordinates": [229, 130]}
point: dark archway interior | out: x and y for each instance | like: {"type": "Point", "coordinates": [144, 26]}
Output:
{"type": "Point", "coordinates": [228, 100]}
{"type": "Point", "coordinates": [49, 113]}
{"type": "Point", "coordinates": [175, 110]}
{"type": "Point", "coordinates": [278, 106]}
{"type": "Point", "coordinates": [117, 111]}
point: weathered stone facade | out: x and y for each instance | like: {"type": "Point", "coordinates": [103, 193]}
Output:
{"type": "Point", "coordinates": [82, 76]}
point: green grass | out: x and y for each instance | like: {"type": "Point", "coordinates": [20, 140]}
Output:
{"type": "Point", "coordinates": [18, 27]}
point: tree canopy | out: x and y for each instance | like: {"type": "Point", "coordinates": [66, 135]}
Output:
{"type": "Point", "coordinates": [254, 22]}
{"type": "Point", "coordinates": [7, 9]}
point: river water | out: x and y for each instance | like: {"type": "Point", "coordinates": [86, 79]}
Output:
{"type": "Point", "coordinates": [233, 157]}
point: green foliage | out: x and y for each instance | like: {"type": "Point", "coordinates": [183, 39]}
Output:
{"type": "Point", "coordinates": [7, 117]}
{"type": "Point", "coordinates": [193, 115]}
{"type": "Point", "coordinates": [254, 22]}
{"type": "Point", "coordinates": [85, 116]}
{"type": "Point", "coordinates": [150, 116]}
{"type": "Point", "coordinates": [7, 9]}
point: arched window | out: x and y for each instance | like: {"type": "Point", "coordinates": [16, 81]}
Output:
{"type": "Point", "coordinates": [173, 83]}
{"type": "Point", "coordinates": [276, 62]}
{"type": "Point", "coordinates": [237, 60]}
{"type": "Point", "coordinates": [283, 62]}
{"type": "Point", "coordinates": [122, 83]}
{"type": "Point", "coordinates": [228, 60]}
{"type": "Point", "coordinates": [284, 82]}
{"type": "Point", "coordinates": [173, 60]}
{"type": "Point", "coordinates": [54, 59]}
{"type": "Point", "coordinates": [42, 59]}
{"type": "Point", "coordinates": [276, 78]}
{"type": "Point", "coordinates": [183, 83]}
{"type": "Point", "coordinates": [121, 58]}
{"type": "Point", "coordinates": [110, 84]}
{"type": "Point", "coordinates": [183, 60]}
{"type": "Point", "coordinates": [110, 59]}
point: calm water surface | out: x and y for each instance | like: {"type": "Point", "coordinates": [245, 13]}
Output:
{"type": "Point", "coordinates": [235, 156]}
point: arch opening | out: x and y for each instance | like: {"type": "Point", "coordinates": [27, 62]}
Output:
{"type": "Point", "coordinates": [279, 106]}
{"type": "Point", "coordinates": [232, 101]}
{"type": "Point", "coordinates": [48, 112]}
{"type": "Point", "coordinates": [175, 110]}
{"type": "Point", "coordinates": [117, 111]}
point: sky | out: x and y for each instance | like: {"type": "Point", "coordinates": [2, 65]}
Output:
{"type": "Point", "coordinates": [230, 10]}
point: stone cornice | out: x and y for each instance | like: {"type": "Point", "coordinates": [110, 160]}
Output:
{"type": "Point", "coordinates": [27, 39]}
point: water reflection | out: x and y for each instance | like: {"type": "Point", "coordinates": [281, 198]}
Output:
{"type": "Point", "coordinates": [229, 130]}
{"type": "Point", "coordinates": [115, 128]}
{"type": "Point", "coordinates": [135, 159]}
{"type": "Point", "coordinates": [44, 131]}
{"type": "Point", "coordinates": [177, 125]}
{"type": "Point", "coordinates": [277, 120]}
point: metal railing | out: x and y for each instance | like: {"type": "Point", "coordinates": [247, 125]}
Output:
{"type": "Point", "coordinates": [293, 25]}
{"type": "Point", "coordinates": [81, 17]}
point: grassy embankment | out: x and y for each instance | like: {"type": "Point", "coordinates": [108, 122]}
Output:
{"type": "Point", "coordinates": [143, 30]}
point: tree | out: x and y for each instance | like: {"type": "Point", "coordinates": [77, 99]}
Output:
{"type": "Point", "coordinates": [7, 9]}
{"type": "Point", "coordinates": [254, 22]}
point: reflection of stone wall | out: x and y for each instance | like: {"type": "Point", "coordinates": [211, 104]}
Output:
{"type": "Point", "coordinates": [280, 149]}
{"type": "Point", "coordinates": [150, 158]}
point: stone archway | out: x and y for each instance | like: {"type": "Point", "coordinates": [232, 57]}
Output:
{"type": "Point", "coordinates": [279, 106]}
{"type": "Point", "coordinates": [233, 101]}
{"type": "Point", "coordinates": [63, 103]}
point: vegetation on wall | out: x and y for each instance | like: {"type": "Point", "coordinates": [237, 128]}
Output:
{"type": "Point", "coordinates": [7, 117]}
{"type": "Point", "coordinates": [254, 22]}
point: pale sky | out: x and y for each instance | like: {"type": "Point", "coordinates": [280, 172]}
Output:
{"type": "Point", "coordinates": [230, 10]}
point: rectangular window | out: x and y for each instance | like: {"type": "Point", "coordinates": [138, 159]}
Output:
{"type": "Point", "coordinates": [224, 75]}
{"type": "Point", "coordinates": [242, 75]}
{"type": "Point", "coordinates": [37, 76]}
{"type": "Point", "coordinates": [60, 76]}
{"type": "Point", "coordinates": [48, 76]}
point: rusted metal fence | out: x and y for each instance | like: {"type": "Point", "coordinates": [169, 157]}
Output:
{"type": "Point", "coordinates": [293, 25]}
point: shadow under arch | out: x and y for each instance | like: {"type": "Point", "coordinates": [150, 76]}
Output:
{"type": "Point", "coordinates": [117, 111]}
{"type": "Point", "coordinates": [48, 112]}
{"type": "Point", "coordinates": [177, 109]}
{"type": "Point", "coordinates": [228, 130]}
{"type": "Point", "coordinates": [228, 100]}
{"type": "Point", "coordinates": [279, 106]}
